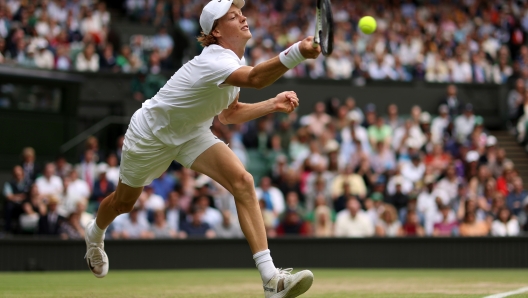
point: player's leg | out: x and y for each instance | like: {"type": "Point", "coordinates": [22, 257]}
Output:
{"type": "Point", "coordinates": [120, 201]}
{"type": "Point", "coordinates": [144, 158]}
{"type": "Point", "coordinates": [222, 165]}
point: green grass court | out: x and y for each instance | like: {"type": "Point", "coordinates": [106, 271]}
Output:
{"type": "Point", "coordinates": [328, 283]}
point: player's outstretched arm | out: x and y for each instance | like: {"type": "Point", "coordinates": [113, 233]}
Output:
{"type": "Point", "coordinates": [238, 112]}
{"type": "Point", "coordinates": [269, 71]}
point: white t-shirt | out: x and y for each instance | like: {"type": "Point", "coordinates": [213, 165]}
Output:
{"type": "Point", "coordinates": [53, 186]}
{"type": "Point", "coordinates": [185, 107]}
{"type": "Point", "coordinates": [155, 202]}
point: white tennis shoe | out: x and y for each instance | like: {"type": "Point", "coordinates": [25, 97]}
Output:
{"type": "Point", "coordinates": [287, 285]}
{"type": "Point", "coordinates": [96, 257]}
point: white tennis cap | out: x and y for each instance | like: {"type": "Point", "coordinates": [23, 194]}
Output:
{"type": "Point", "coordinates": [215, 10]}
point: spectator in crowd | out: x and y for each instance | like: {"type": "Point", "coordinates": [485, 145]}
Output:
{"type": "Point", "coordinates": [163, 185]}
{"type": "Point", "coordinates": [292, 203]}
{"type": "Point", "coordinates": [2, 49]}
{"type": "Point", "coordinates": [84, 216]}
{"type": "Point", "coordinates": [132, 228]}
{"type": "Point", "coordinates": [49, 184]}
{"type": "Point", "coordinates": [378, 69]}
{"type": "Point", "coordinates": [102, 187]}
{"type": "Point", "coordinates": [196, 228]}
{"type": "Point", "coordinates": [516, 196]}
{"type": "Point", "coordinates": [175, 215]}
{"type": "Point", "coordinates": [450, 183]}
{"type": "Point", "coordinates": [523, 219]}
{"type": "Point", "coordinates": [383, 159]}
{"type": "Point", "coordinates": [92, 143]}
{"type": "Point", "coordinates": [399, 199]}
{"type": "Point", "coordinates": [498, 162]}
{"type": "Point", "coordinates": [229, 228]}
{"type": "Point", "coordinates": [352, 134]}
{"type": "Point", "coordinates": [319, 190]}
{"type": "Point", "coordinates": [292, 224]}
{"type": "Point", "coordinates": [353, 222]}
{"type": "Point", "coordinates": [160, 229]}
{"type": "Point", "coordinates": [92, 26]}
{"type": "Point", "coordinates": [43, 57]}
{"type": "Point", "coordinates": [323, 226]}
{"type": "Point", "coordinates": [439, 124]}
{"type": "Point", "coordinates": [32, 209]}
{"type": "Point", "coordinates": [75, 190]}
{"type": "Point", "coordinates": [438, 159]}
{"type": "Point", "coordinates": [127, 61]}
{"type": "Point", "coordinates": [411, 227]}
{"type": "Point", "coordinates": [270, 219]}
{"type": "Point", "coordinates": [30, 167]}
{"type": "Point", "coordinates": [71, 228]}
{"type": "Point", "coordinates": [393, 119]}
{"type": "Point", "coordinates": [210, 215]}
{"type": "Point", "coordinates": [88, 59]}
{"type": "Point", "coordinates": [271, 195]}
{"type": "Point", "coordinates": [339, 65]}
{"type": "Point", "coordinates": [380, 132]}
{"type": "Point", "coordinates": [407, 136]}
{"type": "Point", "coordinates": [354, 181]}
{"type": "Point", "coordinates": [164, 43]}
{"type": "Point", "coordinates": [454, 105]}
{"type": "Point", "coordinates": [505, 224]}
{"type": "Point", "coordinates": [62, 166]}
{"type": "Point", "coordinates": [465, 123]}
{"type": "Point", "coordinates": [426, 204]}
{"type": "Point", "coordinates": [107, 60]}
{"type": "Point", "coordinates": [317, 120]}
{"type": "Point", "coordinates": [374, 206]}
{"type": "Point", "coordinates": [414, 170]}
{"type": "Point", "coordinates": [112, 172]}
{"type": "Point", "coordinates": [50, 221]}
{"type": "Point", "coordinates": [470, 226]}
{"type": "Point", "coordinates": [516, 101]}
{"type": "Point", "coordinates": [15, 192]}
{"type": "Point", "coordinates": [388, 224]}
{"type": "Point", "coordinates": [153, 201]}
{"type": "Point", "coordinates": [87, 169]}
{"type": "Point", "coordinates": [447, 226]}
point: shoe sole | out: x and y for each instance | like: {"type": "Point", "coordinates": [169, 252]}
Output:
{"type": "Point", "coordinates": [298, 286]}
{"type": "Point", "coordinates": [88, 262]}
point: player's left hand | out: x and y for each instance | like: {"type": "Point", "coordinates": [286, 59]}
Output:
{"type": "Point", "coordinates": [286, 102]}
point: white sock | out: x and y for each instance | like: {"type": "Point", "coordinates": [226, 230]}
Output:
{"type": "Point", "coordinates": [96, 234]}
{"type": "Point", "coordinates": [265, 265]}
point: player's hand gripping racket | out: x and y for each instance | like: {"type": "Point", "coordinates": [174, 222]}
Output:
{"type": "Point", "coordinates": [324, 27]}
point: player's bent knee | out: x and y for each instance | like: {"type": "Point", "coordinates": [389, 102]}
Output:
{"type": "Point", "coordinates": [243, 184]}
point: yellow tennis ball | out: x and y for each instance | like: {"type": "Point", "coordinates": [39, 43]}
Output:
{"type": "Point", "coordinates": [367, 25]}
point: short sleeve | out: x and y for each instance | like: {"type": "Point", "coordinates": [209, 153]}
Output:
{"type": "Point", "coordinates": [222, 63]}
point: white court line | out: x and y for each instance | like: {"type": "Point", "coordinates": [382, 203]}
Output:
{"type": "Point", "coordinates": [506, 294]}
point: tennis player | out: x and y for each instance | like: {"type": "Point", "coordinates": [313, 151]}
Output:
{"type": "Point", "coordinates": [175, 125]}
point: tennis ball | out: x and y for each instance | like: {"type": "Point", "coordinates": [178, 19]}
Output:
{"type": "Point", "coordinates": [367, 24]}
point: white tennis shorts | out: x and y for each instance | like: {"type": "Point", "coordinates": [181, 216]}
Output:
{"type": "Point", "coordinates": [145, 157]}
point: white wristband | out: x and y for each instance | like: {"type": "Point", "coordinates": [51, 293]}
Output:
{"type": "Point", "coordinates": [292, 56]}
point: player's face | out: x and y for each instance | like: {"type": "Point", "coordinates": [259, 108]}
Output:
{"type": "Point", "coordinates": [234, 25]}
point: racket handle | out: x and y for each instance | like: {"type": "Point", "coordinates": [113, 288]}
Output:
{"type": "Point", "coordinates": [316, 41]}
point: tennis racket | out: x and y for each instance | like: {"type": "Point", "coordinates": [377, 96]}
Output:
{"type": "Point", "coordinates": [324, 27]}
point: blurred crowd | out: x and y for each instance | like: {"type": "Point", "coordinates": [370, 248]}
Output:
{"type": "Point", "coordinates": [340, 171]}
{"type": "Point", "coordinates": [436, 41]}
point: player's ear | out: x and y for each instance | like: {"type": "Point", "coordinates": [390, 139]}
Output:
{"type": "Point", "coordinates": [216, 33]}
